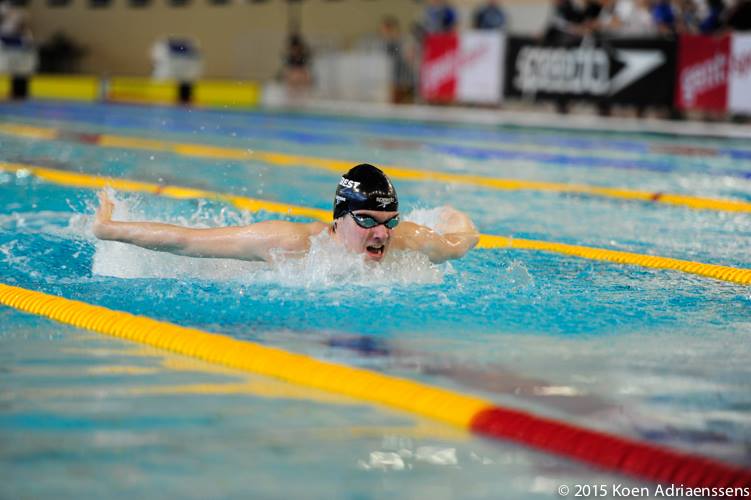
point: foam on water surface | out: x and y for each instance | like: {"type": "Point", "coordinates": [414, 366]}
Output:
{"type": "Point", "coordinates": [327, 264]}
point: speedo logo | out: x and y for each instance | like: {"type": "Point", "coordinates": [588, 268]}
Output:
{"type": "Point", "coordinates": [383, 202]}
{"type": "Point", "coordinates": [344, 182]}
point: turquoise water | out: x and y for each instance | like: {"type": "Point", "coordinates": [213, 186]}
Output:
{"type": "Point", "coordinates": [653, 354]}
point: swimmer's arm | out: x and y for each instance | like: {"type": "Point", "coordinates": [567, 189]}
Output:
{"type": "Point", "coordinates": [459, 236]}
{"type": "Point", "coordinates": [253, 242]}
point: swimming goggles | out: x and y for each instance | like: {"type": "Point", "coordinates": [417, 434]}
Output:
{"type": "Point", "coordinates": [368, 222]}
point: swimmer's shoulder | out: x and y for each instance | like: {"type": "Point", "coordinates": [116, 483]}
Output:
{"type": "Point", "coordinates": [316, 228]}
{"type": "Point", "coordinates": [259, 241]}
{"type": "Point", "coordinates": [301, 232]}
{"type": "Point", "coordinates": [281, 227]}
{"type": "Point", "coordinates": [407, 234]}
{"type": "Point", "coordinates": [298, 237]}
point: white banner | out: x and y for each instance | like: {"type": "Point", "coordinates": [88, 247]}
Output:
{"type": "Point", "coordinates": [480, 67]}
{"type": "Point", "coordinates": [356, 75]}
{"type": "Point", "coordinates": [739, 91]}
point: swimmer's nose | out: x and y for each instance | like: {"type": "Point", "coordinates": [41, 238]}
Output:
{"type": "Point", "coordinates": [380, 232]}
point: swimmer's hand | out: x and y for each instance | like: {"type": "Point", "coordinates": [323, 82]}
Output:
{"type": "Point", "coordinates": [103, 216]}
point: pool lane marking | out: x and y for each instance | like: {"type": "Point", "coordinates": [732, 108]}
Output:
{"type": "Point", "coordinates": [87, 181]}
{"type": "Point", "coordinates": [740, 276]}
{"type": "Point", "coordinates": [396, 172]}
{"type": "Point", "coordinates": [723, 273]}
{"type": "Point", "coordinates": [29, 131]}
{"type": "Point", "coordinates": [414, 397]}
{"type": "Point", "coordinates": [628, 456]}
{"type": "Point", "coordinates": [626, 150]}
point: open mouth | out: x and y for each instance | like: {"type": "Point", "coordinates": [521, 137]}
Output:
{"type": "Point", "coordinates": [375, 250]}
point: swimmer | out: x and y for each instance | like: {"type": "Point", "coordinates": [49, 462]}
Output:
{"type": "Point", "coordinates": [366, 221]}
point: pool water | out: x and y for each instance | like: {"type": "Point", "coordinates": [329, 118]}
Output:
{"type": "Point", "coordinates": [652, 354]}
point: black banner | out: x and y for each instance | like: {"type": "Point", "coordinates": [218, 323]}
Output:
{"type": "Point", "coordinates": [619, 71]}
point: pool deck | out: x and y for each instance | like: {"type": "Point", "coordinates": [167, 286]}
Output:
{"type": "Point", "coordinates": [524, 117]}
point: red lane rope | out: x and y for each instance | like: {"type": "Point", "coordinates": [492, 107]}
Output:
{"type": "Point", "coordinates": [635, 458]}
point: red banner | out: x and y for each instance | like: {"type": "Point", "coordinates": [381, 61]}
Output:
{"type": "Point", "coordinates": [438, 74]}
{"type": "Point", "coordinates": [703, 66]}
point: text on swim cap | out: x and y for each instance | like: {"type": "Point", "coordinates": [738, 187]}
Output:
{"type": "Point", "coordinates": [383, 202]}
{"type": "Point", "coordinates": [344, 182]}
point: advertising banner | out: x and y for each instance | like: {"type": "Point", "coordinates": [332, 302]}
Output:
{"type": "Point", "coordinates": [739, 88]}
{"type": "Point", "coordinates": [703, 67]}
{"type": "Point", "coordinates": [438, 71]}
{"type": "Point", "coordinates": [620, 71]}
{"type": "Point", "coordinates": [463, 68]}
{"type": "Point", "coordinates": [480, 67]}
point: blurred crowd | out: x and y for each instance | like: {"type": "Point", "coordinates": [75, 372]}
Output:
{"type": "Point", "coordinates": [440, 16]}
{"type": "Point", "coordinates": [613, 17]}
{"type": "Point", "coordinates": [569, 21]}
{"type": "Point", "coordinates": [574, 19]}
{"type": "Point", "coordinates": [13, 21]}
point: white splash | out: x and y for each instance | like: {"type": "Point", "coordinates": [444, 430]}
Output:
{"type": "Point", "coordinates": [326, 265]}
{"type": "Point", "coordinates": [430, 217]}
{"type": "Point", "coordinates": [329, 263]}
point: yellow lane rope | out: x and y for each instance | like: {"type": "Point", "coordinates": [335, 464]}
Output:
{"type": "Point", "coordinates": [414, 397]}
{"type": "Point", "coordinates": [722, 273]}
{"type": "Point", "coordinates": [29, 131]}
{"type": "Point", "coordinates": [73, 179]}
{"type": "Point", "coordinates": [396, 172]}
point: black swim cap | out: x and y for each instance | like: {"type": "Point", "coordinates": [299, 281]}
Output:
{"type": "Point", "coordinates": [364, 187]}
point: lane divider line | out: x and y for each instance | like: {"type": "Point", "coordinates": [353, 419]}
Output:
{"type": "Point", "coordinates": [88, 181]}
{"type": "Point", "coordinates": [740, 276]}
{"type": "Point", "coordinates": [396, 172]}
{"type": "Point", "coordinates": [627, 456]}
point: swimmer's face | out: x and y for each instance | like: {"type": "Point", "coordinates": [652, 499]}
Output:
{"type": "Point", "coordinates": [373, 242]}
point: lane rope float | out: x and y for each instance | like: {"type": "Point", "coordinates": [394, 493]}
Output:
{"type": "Point", "coordinates": [396, 172]}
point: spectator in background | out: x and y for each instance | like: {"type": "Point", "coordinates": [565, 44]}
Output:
{"type": "Point", "coordinates": [564, 28]}
{"type": "Point", "coordinates": [712, 22]}
{"type": "Point", "coordinates": [687, 16]}
{"type": "Point", "coordinates": [590, 14]}
{"type": "Point", "coordinates": [439, 17]}
{"type": "Point", "coordinates": [489, 16]}
{"type": "Point", "coordinates": [663, 17]}
{"type": "Point", "coordinates": [565, 24]}
{"type": "Point", "coordinates": [13, 23]}
{"type": "Point", "coordinates": [402, 73]}
{"type": "Point", "coordinates": [635, 17]}
{"type": "Point", "coordinates": [631, 17]}
{"type": "Point", "coordinates": [739, 17]}
{"type": "Point", "coordinates": [296, 69]}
